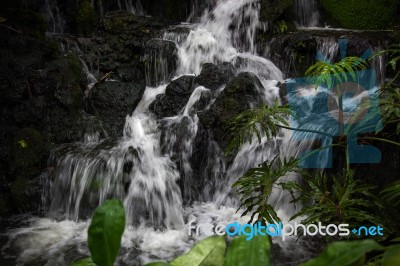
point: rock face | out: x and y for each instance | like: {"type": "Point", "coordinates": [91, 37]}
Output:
{"type": "Point", "coordinates": [239, 94]}
{"type": "Point", "coordinates": [41, 94]}
{"type": "Point", "coordinates": [112, 101]}
{"type": "Point", "coordinates": [214, 76]}
{"type": "Point", "coordinates": [175, 98]}
{"type": "Point", "coordinates": [160, 61]}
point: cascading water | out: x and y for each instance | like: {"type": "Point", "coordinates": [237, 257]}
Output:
{"type": "Point", "coordinates": [139, 167]}
{"type": "Point", "coordinates": [307, 14]}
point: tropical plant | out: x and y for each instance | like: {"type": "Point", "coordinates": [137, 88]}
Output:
{"type": "Point", "coordinates": [104, 234]}
{"type": "Point", "coordinates": [212, 251]}
{"type": "Point", "coordinates": [257, 121]}
{"type": "Point", "coordinates": [255, 187]}
{"type": "Point", "coordinates": [280, 27]}
{"type": "Point", "coordinates": [324, 73]}
{"type": "Point", "coordinates": [338, 199]}
{"type": "Point", "coordinates": [391, 194]}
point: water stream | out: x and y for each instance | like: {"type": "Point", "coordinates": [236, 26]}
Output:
{"type": "Point", "coordinates": [139, 169]}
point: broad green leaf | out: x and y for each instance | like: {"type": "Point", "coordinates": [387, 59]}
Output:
{"type": "Point", "coordinates": [255, 252]}
{"type": "Point", "coordinates": [157, 263]}
{"type": "Point", "coordinates": [105, 232]}
{"type": "Point", "coordinates": [84, 262]}
{"type": "Point", "coordinates": [391, 256]}
{"type": "Point", "coordinates": [2, 19]}
{"type": "Point", "coordinates": [208, 252]}
{"type": "Point", "coordinates": [344, 253]}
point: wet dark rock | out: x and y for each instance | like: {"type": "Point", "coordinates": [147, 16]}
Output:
{"type": "Point", "coordinates": [271, 10]}
{"type": "Point", "coordinates": [112, 101]}
{"type": "Point", "coordinates": [239, 94]}
{"type": "Point", "coordinates": [175, 98]}
{"type": "Point", "coordinates": [160, 60]}
{"type": "Point", "coordinates": [214, 76]}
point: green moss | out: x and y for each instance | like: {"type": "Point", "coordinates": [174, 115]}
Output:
{"type": "Point", "coordinates": [363, 15]}
{"type": "Point", "coordinates": [86, 21]}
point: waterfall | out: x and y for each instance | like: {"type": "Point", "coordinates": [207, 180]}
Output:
{"type": "Point", "coordinates": [142, 168]}
{"type": "Point", "coordinates": [307, 14]}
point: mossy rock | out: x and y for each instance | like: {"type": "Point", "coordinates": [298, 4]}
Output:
{"type": "Point", "coordinates": [271, 10]}
{"type": "Point", "coordinates": [86, 19]}
{"type": "Point", "coordinates": [29, 152]}
{"type": "Point", "coordinates": [362, 15]}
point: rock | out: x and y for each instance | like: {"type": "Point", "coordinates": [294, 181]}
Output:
{"type": "Point", "coordinates": [112, 101]}
{"type": "Point", "coordinates": [175, 98]}
{"type": "Point", "coordinates": [239, 95]}
{"type": "Point", "coordinates": [160, 60]}
{"type": "Point", "coordinates": [214, 76]}
{"type": "Point", "coordinates": [271, 10]}
{"type": "Point", "coordinates": [85, 19]}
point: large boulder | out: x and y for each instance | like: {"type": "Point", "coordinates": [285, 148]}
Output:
{"type": "Point", "coordinates": [175, 98]}
{"type": "Point", "coordinates": [112, 101]}
{"type": "Point", "coordinates": [239, 95]}
{"type": "Point", "coordinates": [214, 76]}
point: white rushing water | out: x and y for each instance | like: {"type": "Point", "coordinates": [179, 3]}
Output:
{"type": "Point", "coordinates": [307, 14]}
{"type": "Point", "coordinates": [139, 167]}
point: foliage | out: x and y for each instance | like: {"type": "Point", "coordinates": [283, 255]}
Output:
{"type": "Point", "coordinates": [22, 143]}
{"type": "Point", "coordinates": [341, 199]}
{"type": "Point", "coordinates": [390, 95]}
{"type": "Point", "coordinates": [326, 74]}
{"type": "Point", "coordinates": [392, 194]}
{"type": "Point", "coordinates": [211, 252]}
{"type": "Point", "coordinates": [255, 252]}
{"type": "Point", "coordinates": [363, 15]}
{"type": "Point", "coordinates": [344, 253]}
{"type": "Point", "coordinates": [255, 121]}
{"type": "Point", "coordinates": [104, 234]}
{"type": "Point", "coordinates": [280, 27]}
{"type": "Point", "coordinates": [2, 19]}
{"type": "Point", "coordinates": [255, 187]}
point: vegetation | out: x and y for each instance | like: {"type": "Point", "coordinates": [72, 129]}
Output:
{"type": "Point", "coordinates": [363, 15]}
{"type": "Point", "coordinates": [104, 234]}
{"type": "Point", "coordinates": [328, 198]}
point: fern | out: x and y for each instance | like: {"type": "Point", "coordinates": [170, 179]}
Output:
{"type": "Point", "coordinates": [255, 187]}
{"type": "Point", "coordinates": [334, 200]}
{"type": "Point", "coordinates": [392, 194]}
{"type": "Point", "coordinates": [326, 74]}
{"type": "Point", "coordinates": [258, 121]}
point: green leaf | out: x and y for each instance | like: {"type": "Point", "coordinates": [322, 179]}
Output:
{"type": "Point", "coordinates": [105, 232]}
{"type": "Point", "coordinates": [391, 256]}
{"type": "Point", "coordinates": [23, 144]}
{"type": "Point", "coordinates": [84, 262]}
{"type": "Point", "coordinates": [157, 263]}
{"type": "Point", "coordinates": [255, 252]}
{"type": "Point", "coordinates": [2, 19]}
{"type": "Point", "coordinates": [208, 252]}
{"type": "Point", "coordinates": [344, 253]}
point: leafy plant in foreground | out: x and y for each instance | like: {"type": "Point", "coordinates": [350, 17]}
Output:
{"type": "Point", "coordinates": [257, 121]}
{"type": "Point", "coordinates": [337, 200]}
{"type": "Point", "coordinates": [326, 74]}
{"type": "Point", "coordinates": [212, 251]}
{"type": "Point", "coordinates": [104, 234]}
{"type": "Point", "coordinates": [255, 187]}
